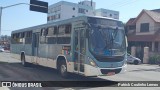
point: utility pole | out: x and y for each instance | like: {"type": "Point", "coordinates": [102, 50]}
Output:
{"type": "Point", "coordinates": [0, 20]}
{"type": "Point", "coordinates": [40, 4]}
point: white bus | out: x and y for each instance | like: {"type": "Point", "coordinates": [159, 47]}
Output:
{"type": "Point", "coordinates": [90, 46]}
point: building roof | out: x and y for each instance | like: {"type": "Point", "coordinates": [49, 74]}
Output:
{"type": "Point", "coordinates": [156, 10]}
{"type": "Point", "coordinates": [130, 21]}
{"type": "Point", "coordinates": [155, 15]}
{"type": "Point", "coordinates": [145, 38]}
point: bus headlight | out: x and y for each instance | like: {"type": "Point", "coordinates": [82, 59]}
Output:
{"type": "Point", "coordinates": [125, 62]}
{"type": "Point", "coordinates": [92, 62]}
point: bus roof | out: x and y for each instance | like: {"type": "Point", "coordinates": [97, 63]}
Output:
{"type": "Point", "coordinates": [59, 22]}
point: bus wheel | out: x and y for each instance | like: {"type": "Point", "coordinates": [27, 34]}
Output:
{"type": "Point", "coordinates": [63, 69]}
{"type": "Point", "coordinates": [135, 62]}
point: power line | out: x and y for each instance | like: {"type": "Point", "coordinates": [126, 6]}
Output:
{"type": "Point", "coordinates": [122, 3]}
{"type": "Point", "coordinates": [117, 3]}
{"type": "Point", "coordinates": [126, 3]}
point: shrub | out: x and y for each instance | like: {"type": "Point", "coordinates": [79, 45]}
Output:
{"type": "Point", "coordinates": [154, 59]}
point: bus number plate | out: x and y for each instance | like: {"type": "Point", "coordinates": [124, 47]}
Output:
{"type": "Point", "coordinates": [110, 73]}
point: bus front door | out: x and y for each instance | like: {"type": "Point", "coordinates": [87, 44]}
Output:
{"type": "Point", "coordinates": [35, 46]}
{"type": "Point", "coordinates": [79, 50]}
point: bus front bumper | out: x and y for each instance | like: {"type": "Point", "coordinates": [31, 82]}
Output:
{"type": "Point", "coordinates": [95, 71]}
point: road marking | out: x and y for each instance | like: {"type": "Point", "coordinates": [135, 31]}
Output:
{"type": "Point", "coordinates": [4, 88]}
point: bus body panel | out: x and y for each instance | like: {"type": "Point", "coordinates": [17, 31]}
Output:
{"type": "Point", "coordinates": [77, 54]}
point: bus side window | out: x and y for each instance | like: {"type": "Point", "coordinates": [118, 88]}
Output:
{"type": "Point", "coordinates": [55, 32]}
{"type": "Point", "coordinates": [50, 31]}
{"type": "Point", "coordinates": [68, 29]}
{"type": "Point", "coordinates": [28, 37]}
{"type": "Point", "coordinates": [61, 30]}
{"type": "Point", "coordinates": [44, 31]}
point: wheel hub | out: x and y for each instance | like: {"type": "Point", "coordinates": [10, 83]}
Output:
{"type": "Point", "coordinates": [63, 68]}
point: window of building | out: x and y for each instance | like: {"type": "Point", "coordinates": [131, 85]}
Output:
{"type": "Point", "coordinates": [110, 15]}
{"type": "Point", "coordinates": [86, 10]}
{"type": "Point", "coordinates": [52, 17]}
{"type": "Point", "coordinates": [48, 19]}
{"type": "Point", "coordinates": [73, 8]}
{"type": "Point", "coordinates": [73, 16]}
{"type": "Point", "coordinates": [81, 10]}
{"type": "Point", "coordinates": [132, 27]}
{"type": "Point", "coordinates": [144, 27]}
{"type": "Point", "coordinates": [59, 8]}
{"type": "Point", "coordinates": [55, 32]}
{"type": "Point", "coordinates": [59, 16]}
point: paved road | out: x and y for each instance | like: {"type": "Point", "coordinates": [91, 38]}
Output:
{"type": "Point", "coordinates": [12, 70]}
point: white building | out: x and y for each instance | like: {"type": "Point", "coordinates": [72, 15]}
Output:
{"type": "Point", "coordinates": [107, 13]}
{"type": "Point", "coordinates": [64, 10]}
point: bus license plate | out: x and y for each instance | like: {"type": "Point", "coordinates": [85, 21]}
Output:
{"type": "Point", "coordinates": [110, 73]}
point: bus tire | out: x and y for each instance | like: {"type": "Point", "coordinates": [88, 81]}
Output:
{"type": "Point", "coordinates": [23, 61]}
{"type": "Point", "coordinates": [63, 69]}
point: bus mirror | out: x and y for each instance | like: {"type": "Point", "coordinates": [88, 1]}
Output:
{"type": "Point", "coordinates": [126, 41]}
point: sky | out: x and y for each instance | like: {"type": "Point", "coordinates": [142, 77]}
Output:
{"type": "Point", "coordinates": [19, 17]}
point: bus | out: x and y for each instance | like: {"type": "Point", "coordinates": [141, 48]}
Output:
{"type": "Point", "coordinates": [85, 45]}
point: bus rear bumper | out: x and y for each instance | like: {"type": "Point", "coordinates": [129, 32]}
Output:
{"type": "Point", "coordinates": [95, 71]}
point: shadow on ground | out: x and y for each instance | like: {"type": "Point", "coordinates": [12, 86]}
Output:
{"type": "Point", "coordinates": [39, 73]}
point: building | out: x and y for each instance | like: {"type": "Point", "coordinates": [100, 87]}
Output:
{"type": "Point", "coordinates": [64, 10]}
{"type": "Point", "coordinates": [144, 30]}
{"type": "Point", "coordinates": [5, 42]}
{"type": "Point", "coordinates": [107, 13]}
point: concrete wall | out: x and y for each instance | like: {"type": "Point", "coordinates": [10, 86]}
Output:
{"type": "Point", "coordinates": [67, 11]}
{"type": "Point", "coordinates": [157, 26]}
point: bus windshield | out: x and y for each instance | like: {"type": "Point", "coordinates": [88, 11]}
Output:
{"type": "Point", "coordinates": [106, 41]}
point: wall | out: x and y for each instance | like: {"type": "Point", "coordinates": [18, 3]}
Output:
{"type": "Point", "coordinates": [67, 11]}
{"type": "Point", "coordinates": [145, 19]}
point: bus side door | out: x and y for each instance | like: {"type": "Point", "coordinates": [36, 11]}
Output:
{"type": "Point", "coordinates": [35, 46]}
{"type": "Point", "coordinates": [79, 50]}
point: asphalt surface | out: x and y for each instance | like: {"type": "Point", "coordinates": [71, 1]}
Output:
{"type": "Point", "coordinates": [12, 70]}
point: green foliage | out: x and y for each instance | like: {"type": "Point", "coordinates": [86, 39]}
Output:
{"type": "Point", "coordinates": [154, 59]}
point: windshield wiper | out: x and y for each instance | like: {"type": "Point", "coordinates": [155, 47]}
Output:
{"type": "Point", "coordinates": [108, 39]}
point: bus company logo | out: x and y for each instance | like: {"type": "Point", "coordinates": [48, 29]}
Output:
{"type": "Point", "coordinates": [6, 84]}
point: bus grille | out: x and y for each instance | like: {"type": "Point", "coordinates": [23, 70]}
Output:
{"type": "Point", "coordinates": [105, 71]}
{"type": "Point", "coordinates": [107, 59]}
